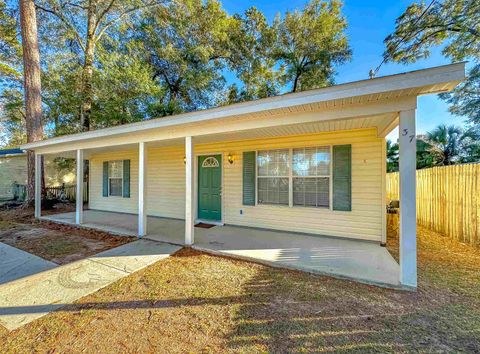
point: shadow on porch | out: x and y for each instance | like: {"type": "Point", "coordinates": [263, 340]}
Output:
{"type": "Point", "coordinates": [358, 260]}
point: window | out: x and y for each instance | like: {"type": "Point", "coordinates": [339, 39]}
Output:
{"type": "Point", "coordinates": [210, 162]}
{"type": "Point", "coordinates": [273, 180]}
{"type": "Point", "coordinates": [311, 176]}
{"type": "Point", "coordinates": [115, 178]}
{"type": "Point", "coordinates": [308, 174]}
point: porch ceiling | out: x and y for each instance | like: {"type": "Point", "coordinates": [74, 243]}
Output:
{"type": "Point", "coordinates": [382, 122]}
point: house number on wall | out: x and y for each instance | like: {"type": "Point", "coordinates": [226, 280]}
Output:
{"type": "Point", "coordinates": [405, 133]}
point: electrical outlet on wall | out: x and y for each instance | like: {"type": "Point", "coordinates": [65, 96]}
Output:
{"type": "Point", "coordinates": [241, 211]}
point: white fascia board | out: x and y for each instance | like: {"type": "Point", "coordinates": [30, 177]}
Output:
{"type": "Point", "coordinates": [238, 123]}
{"type": "Point", "coordinates": [448, 74]}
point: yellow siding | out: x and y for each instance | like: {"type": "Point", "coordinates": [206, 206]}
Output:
{"type": "Point", "coordinates": [166, 186]}
{"type": "Point", "coordinates": [12, 170]}
{"type": "Point", "coordinates": [96, 200]}
{"type": "Point", "coordinates": [166, 182]}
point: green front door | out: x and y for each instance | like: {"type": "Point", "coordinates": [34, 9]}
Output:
{"type": "Point", "coordinates": [210, 187]}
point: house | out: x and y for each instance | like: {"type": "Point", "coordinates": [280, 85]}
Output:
{"type": "Point", "coordinates": [299, 164]}
{"type": "Point", "coordinates": [13, 173]}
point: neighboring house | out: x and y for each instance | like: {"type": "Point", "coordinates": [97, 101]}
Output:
{"type": "Point", "coordinates": [310, 162]}
{"type": "Point", "coordinates": [13, 172]}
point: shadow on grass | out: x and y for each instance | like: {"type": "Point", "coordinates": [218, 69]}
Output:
{"type": "Point", "coordinates": [291, 312]}
{"type": "Point", "coordinates": [281, 319]}
{"type": "Point", "coordinates": [282, 311]}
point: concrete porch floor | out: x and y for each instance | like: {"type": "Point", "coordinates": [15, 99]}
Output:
{"type": "Point", "coordinates": [358, 260]}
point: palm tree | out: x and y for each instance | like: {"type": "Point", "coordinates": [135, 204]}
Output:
{"type": "Point", "coordinates": [448, 145]}
{"type": "Point", "coordinates": [424, 156]}
{"type": "Point", "coordinates": [445, 144]}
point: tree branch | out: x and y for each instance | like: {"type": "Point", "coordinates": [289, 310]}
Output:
{"type": "Point", "coordinates": [103, 13]}
{"type": "Point", "coordinates": [75, 5]}
{"type": "Point", "coordinates": [122, 15]}
{"type": "Point", "coordinates": [65, 21]}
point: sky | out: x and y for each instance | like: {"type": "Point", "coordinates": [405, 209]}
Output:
{"type": "Point", "coordinates": [369, 22]}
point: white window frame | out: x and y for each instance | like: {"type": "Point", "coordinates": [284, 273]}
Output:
{"type": "Point", "coordinates": [257, 177]}
{"type": "Point", "coordinates": [110, 178]}
{"type": "Point", "coordinates": [291, 177]}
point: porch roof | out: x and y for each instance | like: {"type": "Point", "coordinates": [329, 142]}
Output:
{"type": "Point", "coordinates": [379, 100]}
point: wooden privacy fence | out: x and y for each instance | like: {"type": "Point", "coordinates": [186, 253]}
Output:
{"type": "Point", "coordinates": [448, 200]}
{"type": "Point", "coordinates": [64, 192]}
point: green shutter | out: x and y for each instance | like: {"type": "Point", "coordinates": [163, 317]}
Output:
{"type": "Point", "coordinates": [105, 179]}
{"type": "Point", "coordinates": [126, 178]}
{"type": "Point", "coordinates": [249, 178]}
{"type": "Point", "coordinates": [342, 177]}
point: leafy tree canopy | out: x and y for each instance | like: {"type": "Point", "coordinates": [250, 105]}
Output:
{"type": "Point", "coordinates": [455, 24]}
{"type": "Point", "coordinates": [186, 45]}
{"type": "Point", "coordinates": [451, 144]}
{"type": "Point", "coordinates": [445, 145]}
{"type": "Point", "coordinates": [251, 57]}
{"type": "Point", "coordinates": [310, 43]}
{"type": "Point", "coordinates": [110, 62]}
{"type": "Point", "coordinates": [10, 48]}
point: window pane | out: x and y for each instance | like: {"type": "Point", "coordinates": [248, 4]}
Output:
{"type": "Point", "coordinates": [116, 187]}
{"type": "Point", "coordinates": [298, 191]}
{"type": "Point", "coordinates": [300, 162]}
{"type": "Point", "coordinates": [115, 169]}
{"type": "Point", "coordinates": [273, 190]}
{"type": "Point", "coordinates": [263, 159]}
{"type": "Point", "coordinates": [314, 161]}
{"type": "Point", "coordinates": [272, 163]}
{"type": "Point", "coordinates": [281, 163]}
{"type": "Point", "coordinates": [311, 191]}
{"type": "Point", "coordinates": [322, 159]}
{"type": "Point", "coordinates": [323, 192]}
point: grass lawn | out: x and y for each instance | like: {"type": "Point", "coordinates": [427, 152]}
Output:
{"type": "Point", "coordinates": [194, 302]}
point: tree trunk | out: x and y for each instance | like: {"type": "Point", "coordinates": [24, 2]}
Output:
{"type": "Point", "coordinates": [32, 86]}
{"type": "Point", "coordinates": [295, 82]}
{"type": "Point", "coordinates": [87, 75]}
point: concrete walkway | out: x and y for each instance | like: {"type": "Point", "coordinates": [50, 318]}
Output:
{"type": "Point", "coordinates": [31, 297]}
{"type": "Point", "coordinates": [363, 261]}
{"type": "Point", "coordinates": [359, 260]}
{"type": "Point", "coordinates": [16, 264]}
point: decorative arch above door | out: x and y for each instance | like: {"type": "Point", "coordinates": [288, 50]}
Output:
{"type": "Point", "coordinates": [210, 162]}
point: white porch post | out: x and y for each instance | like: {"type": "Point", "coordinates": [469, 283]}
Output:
{"type": "Point", "coordinates": [189, 197]}
{"type": "Point", "coordinates": [79, 194]}
{"type": "Point", "coordinates": [38, 185]}
{"type": "Point", "coordinates": [408, 213]}
{"type": "Point", "coordinates": [142, 215]}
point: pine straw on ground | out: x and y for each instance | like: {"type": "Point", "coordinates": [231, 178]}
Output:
{"type": "Point", "coordinates": [55, 242]}
{"type": "Point", "coordinates": [194, 302]}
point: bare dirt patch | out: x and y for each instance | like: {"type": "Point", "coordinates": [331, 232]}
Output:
{"type": "Point", "coordinates": [194, 302]}
{"type": "Point", "coordinates": [58, 243]}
